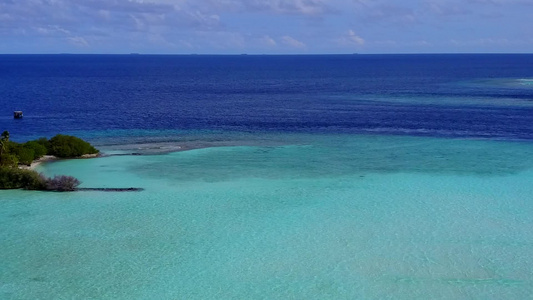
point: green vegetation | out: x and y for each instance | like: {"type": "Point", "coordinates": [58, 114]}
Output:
{"type": "Point", "coordinates": [39, 150]}
{"type": "Point", "coordinates": [15, 178]}
{"type": "Point", "coordinates": [69, 146]}
{"type": "Point", "coordinates": [13, 154]}
{"type": "Point", "coordinates": [6, 159]}
{"type": "Point", "coordinates": [63, 146]}
{"type": "Point", "coordinates": [23, 154]}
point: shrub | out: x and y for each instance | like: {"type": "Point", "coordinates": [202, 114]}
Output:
{"type": "Point", "coordinates": [43, 142]}
{"type": "Point", "coordinates": [8, 160]}
{"type": "Point", "coordinates": [24, 155]}
{"type": "Point", "coordinates": [9, 179]}
{"type": "Point", "coordinates": [69, 146]}
{"type": "Point", "coordinates": [33, 180]}
{"type": "Point", "coordinates": [11, 154]}
{"type": "Point", "coordinates": [38, 148]}
{"type": "Point", "coordinates": [62, 183]}
{"type": "Point", "coordinates": [14, 178]}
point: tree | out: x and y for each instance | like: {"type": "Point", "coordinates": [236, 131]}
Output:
{"type": "Point", "coordinates": [4, 139]}
{"type": "Point", "coordinates": [6, 159]}
{"type": "Point", "coordinates": [66, 146]}
{"type": "Point", "coordinates": [12, 153]}
{"type": "Point", "coordinates": [38, 148]}
{"type": "Point", "coordinates": [24, 154]}
{"type": "Point", "coordinates": [43, 142]}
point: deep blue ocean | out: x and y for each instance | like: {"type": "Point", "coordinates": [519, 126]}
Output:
{"type": "Point", "coordinates": [487, 96]}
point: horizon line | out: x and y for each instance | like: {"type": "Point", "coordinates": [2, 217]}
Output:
{"type": "Point", "coordinates": [278, 54]}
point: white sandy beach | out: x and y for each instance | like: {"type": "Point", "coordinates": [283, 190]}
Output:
{"type": "Point", "coordinates": [50, 158]}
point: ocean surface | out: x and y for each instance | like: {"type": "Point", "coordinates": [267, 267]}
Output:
{"type": "Point", "coordinates": [274, 177]}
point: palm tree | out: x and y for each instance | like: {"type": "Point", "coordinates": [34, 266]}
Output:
{"type": "Point", "coordinates": [4, 139]}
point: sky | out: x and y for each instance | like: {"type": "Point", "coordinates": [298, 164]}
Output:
{"type": "Point", "coordinates": [266, 26]}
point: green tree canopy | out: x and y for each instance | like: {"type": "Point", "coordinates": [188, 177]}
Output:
{"type": "Point", "coordinates": [69, 146]}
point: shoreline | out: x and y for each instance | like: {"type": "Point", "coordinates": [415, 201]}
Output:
{"type": "Point", "coordinates": [49, 158]}
{"type": "Point", "coordinates": [34, 164]}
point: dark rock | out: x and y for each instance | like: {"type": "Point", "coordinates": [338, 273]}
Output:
{"type": "Point", "coordinates": [131, 189]}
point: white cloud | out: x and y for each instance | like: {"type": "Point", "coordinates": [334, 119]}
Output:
{"type": "Point", "coordinates": [267, 41]}
{"type": "Point", "coordinates": [261, 26]}
{"type": "Point", "coordinates": [120, 15]}
{"type": "Point", "coordinates": [105, 14]}
{"type": "Point", "coordinates": [423, 43]}
{"type": "Point", "coordinates": [503, 2]}
{"type": "Point", "coordinates": [52, 30]}
{"type": "Point", "coordinates": [78, 41]}
{"type": "Point", "coordinates": [297, 7]}
{"type": "Point", "coordinates": [482, 41]}
{"type": "Point", "coordinates": [387, 11]}
{"type": "Point", "coordinates": [448, 8]}
{"type": "Point", "coordinates": [158, 39]}
{"type": "Point", "coordinates": [186, 44]}
{"type": "Point", "coordinates": [355, 38]}
{"type": "Point", "coordinates": [221, 41]}
{"type": "Point", "coordinates": [292, 42]}
{"type": "Point", "coordinates": [351, 39]}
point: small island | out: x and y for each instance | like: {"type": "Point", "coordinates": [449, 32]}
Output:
{"type": "Point", "coordinates": [16, 160]}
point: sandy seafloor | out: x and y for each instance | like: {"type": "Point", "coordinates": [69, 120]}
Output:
{"type": "Point", "coordinates": [317, 217]}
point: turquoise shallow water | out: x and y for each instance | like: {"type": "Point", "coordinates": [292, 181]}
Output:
{"type": "Point", "coordinates": [316, 217]}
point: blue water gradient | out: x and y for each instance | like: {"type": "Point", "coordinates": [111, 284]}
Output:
{"type": "Point", "coordinates": [368, 219]}
{"type": "Point", "coordinates": [274, 177]}
{"type": "Point", "coordinates": [388, 94]}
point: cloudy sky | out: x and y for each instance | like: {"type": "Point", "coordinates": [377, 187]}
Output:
{"type": "Point", "coordinates": [266, 26]}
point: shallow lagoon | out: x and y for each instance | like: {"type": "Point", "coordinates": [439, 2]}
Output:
{"type": "Point", "coordinates": [316, 217]}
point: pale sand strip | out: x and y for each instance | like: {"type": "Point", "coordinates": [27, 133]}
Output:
{"type": "Point", "coordinates": [48, 158]}
{"type": "Point", "coordinates": [37, 162]}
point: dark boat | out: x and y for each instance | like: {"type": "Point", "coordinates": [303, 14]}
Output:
{"type": "Point", "coordinates": [18, 114]}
